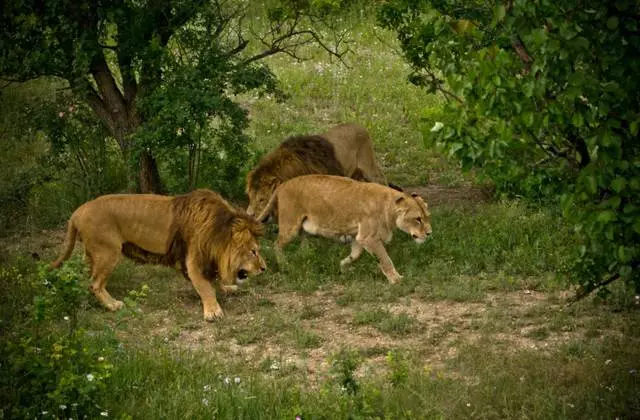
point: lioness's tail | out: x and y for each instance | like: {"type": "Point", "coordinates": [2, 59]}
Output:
{"type": "Point", "coordinates": [268, 208]}
{"type": "Point", "coordinates": [69, 243]}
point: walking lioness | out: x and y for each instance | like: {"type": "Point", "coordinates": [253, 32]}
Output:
{"type": "Point", "coordinates": [347, 210]}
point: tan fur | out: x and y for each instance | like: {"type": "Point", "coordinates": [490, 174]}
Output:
{"type": "Point", "coordinates": [352, 156]}
{"type": "Point", "coordinates": [347, 210]}
{"type": "Point", "coordinates": [199, 232]}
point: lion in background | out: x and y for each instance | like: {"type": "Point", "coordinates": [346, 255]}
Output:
{"type": "Point", "coordinates": [199, 231]}
{"type": "Point", "coordinates": [345, 150]}
{"type": "Point", "coordinates": [340, 208]}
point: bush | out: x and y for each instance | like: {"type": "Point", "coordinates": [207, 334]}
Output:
{"type": "Point", "coordinates": [542, 97]}
{"type": "Point", "coordinates": [50, 366]}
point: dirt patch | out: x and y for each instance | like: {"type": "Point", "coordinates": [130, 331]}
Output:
{"type": "Point", "coordinates": [39, 245]}
{"type": "Point", "coordinates": [438, 330]}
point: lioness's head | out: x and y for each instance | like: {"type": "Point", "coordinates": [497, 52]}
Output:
{"type": "Point", "coordinates": [413, 217]}
{"type": "Point", "coordinates": [259, 190]}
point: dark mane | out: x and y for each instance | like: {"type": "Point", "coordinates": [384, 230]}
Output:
{"type": "Point", "coordinates": [298, 155]}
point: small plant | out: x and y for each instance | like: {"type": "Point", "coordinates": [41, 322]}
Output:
{"type": "Point", "coordinates": [399, 368]}
{"type": "Point", "coordinates": [343, 368]}
{"type": "Point", "coordinates": [306, 339]}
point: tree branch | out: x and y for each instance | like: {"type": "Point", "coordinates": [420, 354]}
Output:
{"type": "Point", "coordinates": [518, 46]}
{"type": "Point", "coordinates": [285, 37]}
{"type": "Point", "coordinates": [583, 292]}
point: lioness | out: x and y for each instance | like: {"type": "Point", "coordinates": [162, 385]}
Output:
{"type": "Point", "coordinates": [199, 231]}
{"type": "Point", "coordinates": [345, 150]}
{"type": "Point", "coordinates": [344, 209]}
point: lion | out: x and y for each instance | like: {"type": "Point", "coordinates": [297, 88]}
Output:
{"type": "Point", "coordinates": [336, 207]}
{"type": "Point", "coordinates": [345, 149]}
{"type": "Point", "coordinates": [199, 232]}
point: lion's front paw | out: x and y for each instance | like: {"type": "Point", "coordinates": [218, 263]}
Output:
{"type": "Point", "coordinates": [228, 289]}
{"type": "Point", "coordinates": [213, 315]}
{"type": "Point", "coordinates": [394, 278]}
{"type": "Point", "coordinates": [115, 305]}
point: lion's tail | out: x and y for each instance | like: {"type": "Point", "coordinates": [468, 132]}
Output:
{"type": "Point", "coordinates": [269, 207]}
{"type": "Point", "coordinates": [69, 243]}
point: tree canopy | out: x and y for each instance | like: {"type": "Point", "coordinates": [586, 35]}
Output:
{"type": "Point", "coordinates": [544, 97]}
{"type": "Point", "coordinates": [159, 74]}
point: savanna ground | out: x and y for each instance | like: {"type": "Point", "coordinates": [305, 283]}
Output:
{"type": "Point", "coordinates": [478, 328]}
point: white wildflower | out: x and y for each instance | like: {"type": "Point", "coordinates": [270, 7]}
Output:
{"type": "Point", "coordinates": [437, 127]}
{"type": "Point", "coordinates": [237, 380]}
{"type": "Point", "coordinates": [468, 404]}
{"type": "Point", "coordinates": [44, 413]}
{"type": "Point", "coordinates": [608, 361]}
{"type": "Point", "coordinates": [205, 401]}
{"type": "Point", "coordinates": [227, 380]}
{"type": "Point", "coordinates": [66, 318]}
{"type": "Point", "coordinates": [207, 387]}
{"type": "Point", "coordinates": [100, 359]}
{"type": "Point", "coordinates": [90, 377]}
{"type": "Point", "coordinates": [104, 413]}
{"type": "Point", "coordinates": [274, 366]}
{"type": "Point", "coordinates": [62, 407]}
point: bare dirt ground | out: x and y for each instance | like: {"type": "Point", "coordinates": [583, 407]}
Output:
{"type": "Point", "coordinates": [439, 328]}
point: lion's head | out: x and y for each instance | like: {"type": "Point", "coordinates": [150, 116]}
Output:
{"type": "Point", "coordinates": [241, 257]}
{"type": "Point", "coordinates": [259, 190]}
{"type": "Point", "coordinates": [413, 217]}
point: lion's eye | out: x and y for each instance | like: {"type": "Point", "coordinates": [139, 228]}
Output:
{"type": "Point", "coordinates": [419, 220]}
{"type": "Point", "coordinates": [254, 252]}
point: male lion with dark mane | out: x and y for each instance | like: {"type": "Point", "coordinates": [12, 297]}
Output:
{"type": "Point", "coordinates": [344, 150]}
{"type": "Point", "coordinates": [199, 231]}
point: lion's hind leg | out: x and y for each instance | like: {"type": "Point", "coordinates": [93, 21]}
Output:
{"type": "Point", "coordinates": [103, 260]}
{"type": "Point", "coordinates": [288, 228]}
{"type": "Point", "coordinates": [356, 251]}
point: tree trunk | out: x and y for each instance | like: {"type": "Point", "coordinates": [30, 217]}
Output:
{"type": "Point", "coordinates": [149, 177]}
{"type": "Point", "coordinates": [117, 110]}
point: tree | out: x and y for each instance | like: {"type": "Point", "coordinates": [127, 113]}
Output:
{"type": "Point", "coordinates": [544, 97]}
{"type": "Point", "coordinates": [158, 73]}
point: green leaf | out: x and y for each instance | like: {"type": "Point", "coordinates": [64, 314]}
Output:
{"type": "Point", "coordinates": [624, 254]}
{"type": "Point", "coordinates": [636, 226]}
{"type": "Point", "coordinates": [606, 216]}
{"type": "Point", "coordinates": [581, 42]}
{"type": "Point", "coordinates": [577, 120]}
{"type": "Point", "coordinates": [496, 80]}
{"type": "Point", "coordinates": [633, 128]}
{"type": "Point", "coordinates": [499, 13]}
{"type": "Point", "coordinates": [612, 22]}
{"type": "Point", "coordinates": [591, 184]}
{"type": "Point", "coordinates": [618, 184]}
{"type": "Point", "coordinates": [527, 118]}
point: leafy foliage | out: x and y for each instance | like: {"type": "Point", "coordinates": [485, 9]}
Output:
{"type": "Point", "coordinates": [57, 375]}
{"type": "Point", "coordinates": [542, 97]}
{"type": "Point", "coordinates": [160, 76]}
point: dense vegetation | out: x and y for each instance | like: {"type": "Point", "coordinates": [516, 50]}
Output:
{"type": "Point", "coordinates": [543, 96]}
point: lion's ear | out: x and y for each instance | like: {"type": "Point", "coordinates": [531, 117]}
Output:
{"type": "Point", "coordinates": [414, 195]}
{"type": "Point", "coordinates": [271, 182]}
{"type": "Point", "coordinates": [399, 199]}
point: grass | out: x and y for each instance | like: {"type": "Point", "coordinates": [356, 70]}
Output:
{"type": "Point", "coordinates": [476, 329]}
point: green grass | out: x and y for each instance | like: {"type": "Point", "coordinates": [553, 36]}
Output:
{"type": "Point", "coordinates": [386, 322]}
{"type": "Point", "coordinates": [366, 90]}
